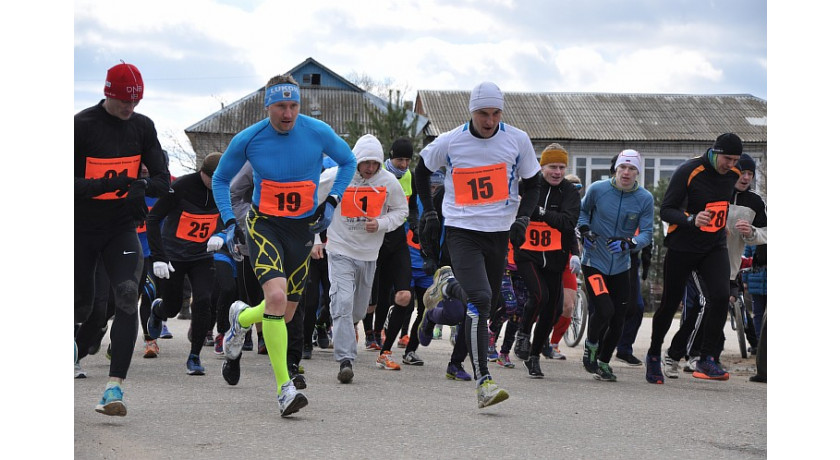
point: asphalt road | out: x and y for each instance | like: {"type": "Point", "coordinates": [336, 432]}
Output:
{"type": "Point", "coordinates": [416, 412]}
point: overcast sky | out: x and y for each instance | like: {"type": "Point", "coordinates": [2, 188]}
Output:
{"type": "Point", "coordinates": [195, 54]}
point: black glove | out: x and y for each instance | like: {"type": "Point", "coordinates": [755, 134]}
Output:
{"type": "Point", "coordinates": [517, 231]}
{"type": "Point", "coordinates": [117, 184]}
{"type": "Point", "coordinates": [429, 232]}
{"type": "Point", "coordinates": [646, 256]}
{"type": "Point", "coordinates": [588, 236]}
{"type": "Point", "coordinates": [135, 199]}
{"type": "Point", "coordinates": [429, 265]}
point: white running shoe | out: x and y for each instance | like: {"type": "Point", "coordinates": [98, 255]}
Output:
{"type": "Point", "coordinates": [235, 336]}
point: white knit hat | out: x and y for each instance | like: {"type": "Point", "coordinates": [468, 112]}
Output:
{"type": "Point", "coordinates": [631, 157]}
{"type": "Point", "coordinates": [367, 148]}
{"type": "Point", "coordinates": [485, 95]}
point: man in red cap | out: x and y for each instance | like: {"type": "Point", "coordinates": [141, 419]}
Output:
{"type": "Point", "coordinates": [110, 143]}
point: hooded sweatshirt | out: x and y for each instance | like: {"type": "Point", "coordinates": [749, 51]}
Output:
{"type": "Point", "coordinates": [381, 197]}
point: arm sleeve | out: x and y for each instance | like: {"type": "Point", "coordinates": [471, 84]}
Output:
{"type": "Point", "coordinates": [422, 174]}
{"type": "Point", "coordinates": [153, 224]}
{"type": "Point", "coordinates": [673, 205]}
{"type": "Point", "coordinates": [529, 190]}
{"type": "Point", "coordinates": [155, 161]}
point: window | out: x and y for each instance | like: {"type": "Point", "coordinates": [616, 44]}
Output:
{"type": "Point", "coordinates": [660, 168]}
{"type": "Point", "coordinates": [313, 79]}
{"type": "Point", "coordinates": [592, 169]}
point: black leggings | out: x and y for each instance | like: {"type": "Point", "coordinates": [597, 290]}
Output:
{"type": "Point", "coordinates": [478, 262]}
{"type": "Point", "coordinates": [122, 258]}
{"type": "Point", "coordinates": [713, 268]}
{"type": "Point", "coordinates": [609, 296]}
{"type": "Point", "coordinates": [318, 281]}
{"type": "Point", "coordinates": [202, 277]}
{"type": "Point", "coordinates": [224, 294]}
{"type": "Point", "coordinates": [545, 300]}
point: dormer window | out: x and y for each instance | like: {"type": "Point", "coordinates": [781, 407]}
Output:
{"type": "Point", "coordinates": [312, 79]}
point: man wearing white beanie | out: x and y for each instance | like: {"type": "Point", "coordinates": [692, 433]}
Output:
{"type": "Point", "coordinates": [485, 160]}
{"type": "Point", "coordinates": [374, 204]}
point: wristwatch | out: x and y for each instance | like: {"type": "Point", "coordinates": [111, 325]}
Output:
{"type": "Point", "coordinates": [690, 219]}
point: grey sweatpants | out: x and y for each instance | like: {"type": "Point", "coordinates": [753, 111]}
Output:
{"type": "Point", "coordinates": [350, 286]}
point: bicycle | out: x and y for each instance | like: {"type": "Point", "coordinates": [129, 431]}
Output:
{"type": "Point", "coordinates": [738, 314]}
{"type": "Point", "coordinates": [580, 315]}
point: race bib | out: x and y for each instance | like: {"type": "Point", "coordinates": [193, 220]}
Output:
{"type": "Point", "coordinates": [596, 282]}
{"type": "Point", "coordinates": [196, 227]}
{"type": "Point", "coordinates": [718, 209]}
{"type": "Point", "coordinates": [539, 236]}
{"type": "Point", "coordinates": [480, 185]}
{"type": "Point", "coordinates": [363, 201]}
{"type": "Point", "coordinates": [286, 199]}
{"type": "Point", "coordinates": [99, 168]}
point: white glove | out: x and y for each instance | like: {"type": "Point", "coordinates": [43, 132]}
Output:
{"type": "Point", "coordinates": [215, 243]}
{"type": "Point", "coordinates": [574, 264]}
{"type": "Point", "coordinates": [162, 269]}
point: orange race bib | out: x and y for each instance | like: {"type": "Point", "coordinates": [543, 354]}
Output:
{"type": "Point", "coordinates": [363, 201]}
{"type": "Point", "coordinates": [196, 227]}
{"type": "Point", "coordinates": [142, 227]}
{"type": "Point", "coordinates": [598, 285]}
{"type": "Point", "coordinates": [480, 185]}
{"type": "Point", "coordinates": [286, 199]}
{"type": "Point", "coordinates": [719, 210]}
{"type": "Point", "coordinates": [539, 236]}
{"type": "Point", "coordinates": [98, 168]}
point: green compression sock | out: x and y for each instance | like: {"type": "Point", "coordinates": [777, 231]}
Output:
{"type": "Point", "coordinates": [252, 315]}
{"type": "Point", "coordinates": [276, 342]}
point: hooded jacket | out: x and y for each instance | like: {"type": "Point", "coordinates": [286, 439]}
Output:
{"type": "Point", "coordinates": [346, 234]}
{"type": "Point", "coordinates": [749, 206]}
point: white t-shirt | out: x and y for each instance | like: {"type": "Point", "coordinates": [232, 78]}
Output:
{"type": "Point", "coordinates": [482, 175]}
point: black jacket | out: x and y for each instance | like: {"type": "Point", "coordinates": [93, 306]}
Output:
{"type": "Point", "coordinates": [559, 207]}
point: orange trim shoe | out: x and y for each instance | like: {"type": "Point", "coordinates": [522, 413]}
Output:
{"type": "Point", "coordinates": [384, 361]}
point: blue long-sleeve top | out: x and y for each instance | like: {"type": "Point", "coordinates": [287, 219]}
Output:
{"type": "Point", "coordinates": [295, 156]}
{"type": "Point", "coordinates": [611, 212]}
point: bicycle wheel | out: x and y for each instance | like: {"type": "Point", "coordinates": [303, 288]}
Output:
{"type": "Point", "coordinates": [574, 333]}
{"type": "Point", "coordinates": [738, 317]}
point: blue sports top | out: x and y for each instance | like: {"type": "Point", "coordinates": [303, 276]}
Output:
{"type": "Point", "coordinates": [283, 157]}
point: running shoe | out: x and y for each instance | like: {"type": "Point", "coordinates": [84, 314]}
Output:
{"type": "Point", "coordinates": [384, 361]}
{"type": "Point", "coordinates": [434, 294]}
{"type": "Point", "coordinates": [533, 366]}
{"type": "Point", "coordinates": [547, 351]}
{"type": "Point", "coordinates": [457, 372]}
{"type": "Point", "coordinates": [759, 378]}
{"type": "Point", "coordinates": [307, 351]}
{"type": "Point", "coordinates": [154, 325]}
{"type": "Point", "coordinates": [590, 356]}
{"type": "Point", "coordinates": [249, 342]}
{"type": "Point", "coordinates": [209, 341]}
{"type": "Point", "coordinates": [217, 344]}
{"type": "Point", "coordinates": [322, 338]}
{"type": "Point", "coordinates": [453, 335]}
{"type": "Point", "coordinates": [504, 360]}
{"type": "Point", "coordinates": [412, 359]}
{"type": "Point", "coordinates": [164, 332]}
{"type": "Point", "coordinates": [672, 368]}
{"type": "Point", "coordinates": [691, 365]}
{"type": "Point", "coordinates": [296, 376]}
{"type": "Point", "coordinates": [556, 353]}
{"type": "Point", "coordinates": [261, 349]}
{"type": "Point", "coordinates": [604, 372]}
{"type": "Point", "coordinates": [112, 402]}
{"type": "Point", "coordinates": [94, 347]}
{"type": "Point", "coordinates": [151, 349]}
{"type": "Point", "coordinates": [629, 359]}
{"type": "Point", "coordinates": [370, 343]}
{"type": "Point", "coordinates": [521, 346]}
{"type": "Point", "coordinates": [437, 334]}
{"type": "Point", "coordinates": [231, 370]}
{"type": "Point", "coordinates": [489, 393]}
{"type": "Point", "coordinates": [235, 336]}
{"type": "Point", "coordinates": [653, 370]}
{"type": "Point", "coordinates": [403, 342]}
{"type": "Point", "coordinates": [78, 373]}
{"type": "Point", "coordinates": [345, 371]}
{"type": "Point", "coordinates": [289, 400]}
{"type": "Point", "coordinates": [709, 369]}
{"type": "Point", "coordinates": [194, 366]}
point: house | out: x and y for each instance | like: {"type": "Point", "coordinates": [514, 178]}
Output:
{"type": "Point", "coordinates": [323, 94]}
{"type": "Point", "coordinates": [666, 129]}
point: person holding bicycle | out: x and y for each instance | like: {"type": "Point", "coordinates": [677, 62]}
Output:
{"type": "Point", "coordinates": [611, 212]}
{"type": "Point", "coordinates": [695, 205]}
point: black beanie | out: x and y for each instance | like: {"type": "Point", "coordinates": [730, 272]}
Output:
{"type": "Point", "coordinates": [728, 144]}
{"type": "Point", "coordinates": [746, 163]}
{"type": "Point", "coordinates": [402, 148]}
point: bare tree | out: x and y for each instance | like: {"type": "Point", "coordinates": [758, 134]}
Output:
{"type": "Point", "coordinates": [178, 152]}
